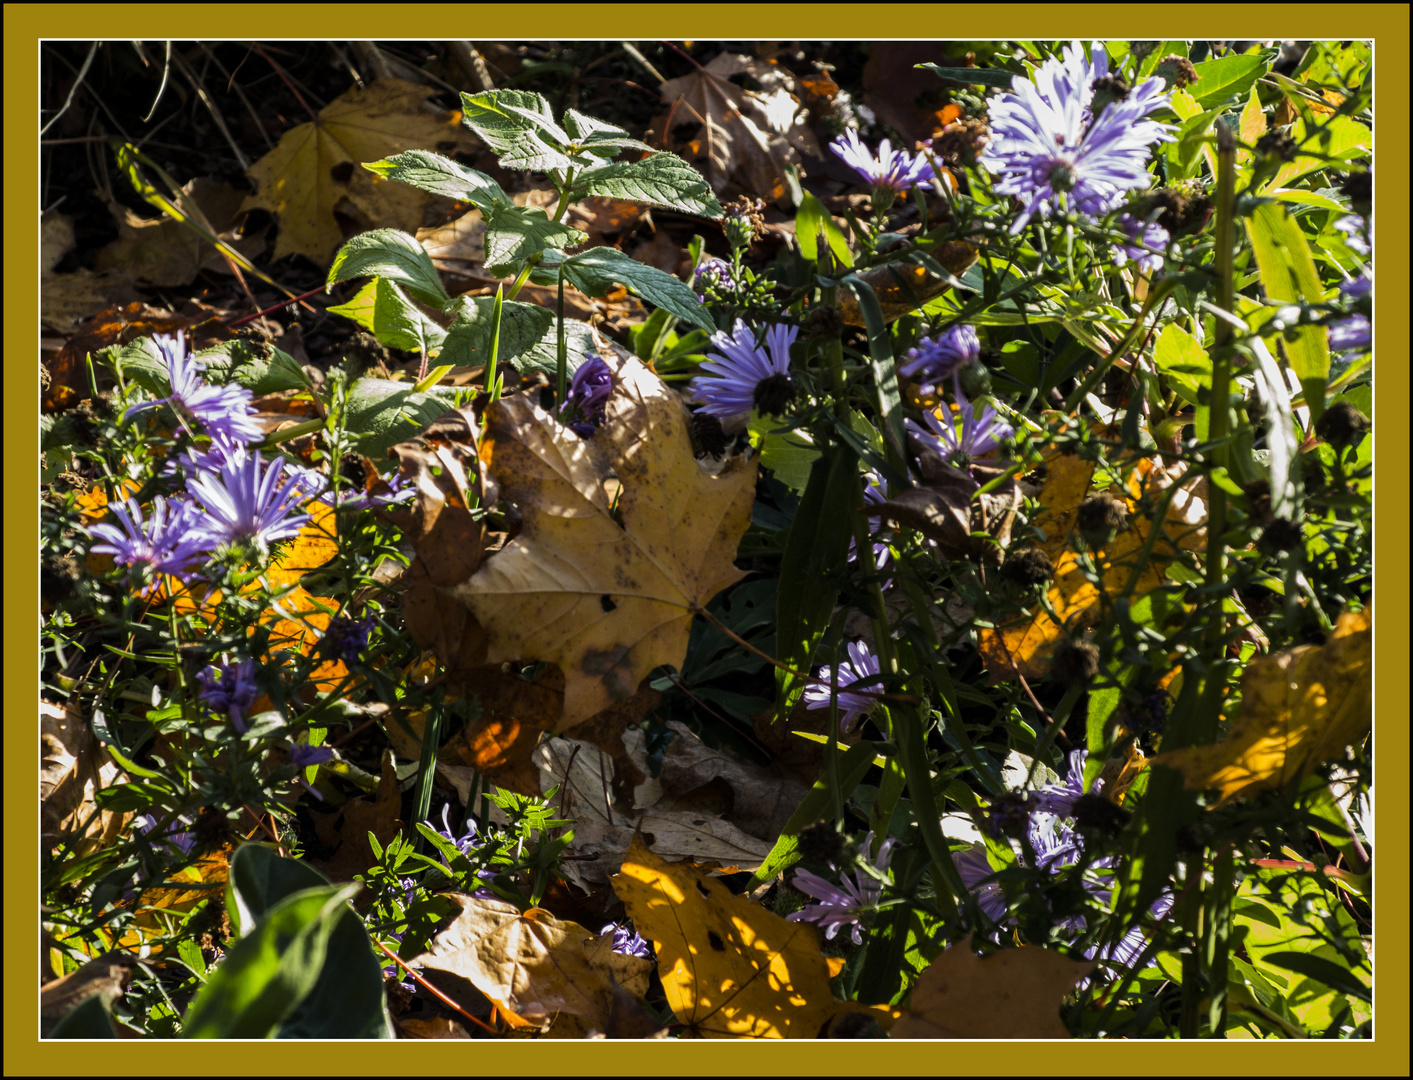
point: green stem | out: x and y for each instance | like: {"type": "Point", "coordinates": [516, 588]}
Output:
{"type": "Point", "coordinates": [492, 378]}
{"type": "Point", "coordinates": [561, 349]}
{"type": "Point", "coordinates": [524, 276]}
{"type": "Point", "coordinates": [1221, 373]}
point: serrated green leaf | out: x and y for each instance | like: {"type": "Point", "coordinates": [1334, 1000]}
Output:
{"type": "Point", "coordinates": [442, 176]}
{"type": "Point", "coordinates": [394, 255]}
{"type": "Point", "coordinates": [597, 270]}
{"type": "Point", "coordinates": [660, 180]}
{"type": "Point", "coordinates": [242, 362]}
{"type": "Point", "coordinates": [514, 233]}
{"type": "Point", "coordinates": [519, 126]}
{"type": "Point", "coordinates": [468, 339]}
{"type": "Point", "coordinates": [1227, 76]}
{"type": "Point", "coordinates": [383, 413]}
{"type": "Point", "coordinates": [382, 309]}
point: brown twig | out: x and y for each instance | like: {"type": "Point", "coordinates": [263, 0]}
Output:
{"type": "Point", "coordinates": [434, 991]}
{"type": "Point", "coordinates": [286, 80]}
{"type": "Point", "coordinates": [276, 307]}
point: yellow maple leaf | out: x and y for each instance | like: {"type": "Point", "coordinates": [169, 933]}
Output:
{"type": "Point", "coordinates": [315, 544]}
{"type": "Point", "coordinates": [1011, 994]}
{"type": "Point", "coordinates": [624, 537]}
{"type": "Point", "coordinates": [530, 964]}
{"type": "Point", "coordinates": [1025, 645]}
{"type": "Point", "coordinates": [730, 968]}
{"type": "Point", "coordinates": [318, 166]}
{"type": "Point", "coordinates": [1299, 708]}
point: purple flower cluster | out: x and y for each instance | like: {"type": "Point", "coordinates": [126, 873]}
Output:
{"type": "Point", "coordinates": [1354, 331]}
{"type": "Point", "coordinates": [588, 394]}
{"type": "Point", "coordinates": [894, 169]}
{"type": "Point", "coordinates": [840, 908]}
{"type": "Point", "coordinates": [862, 664]}
{"type": "Point", "coordinates": [1146, 241]}
{"type": "Point", "coordinates": [741, 374]}
{"type": "Point", "coordinates": [468, 843]}
{"type": "Point", "coordinates": [223, 411]}
{"type": "Point", "coordinates": [712, 272]}
{"type": "Point", "coordinates": [933, 359]}
{"type": "Point", "coordinates": [229, 688]}
{"type": "Point", "coordinates": [1050, 149]}
{"type": "Point", "coordinates": [346, 638]}
{"type": "Point", "coordinates": [169, 541]}
{"type": "Point", "coordinates": [627, 941]}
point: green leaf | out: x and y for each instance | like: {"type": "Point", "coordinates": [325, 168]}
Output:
{"type": "Point", "coordinates": [885, 372]}
{"type": "Point", "coordinates": [259, 879]}
{"type": "Point", "coordinates": [348, 1000]}
{"type": "Point", "coordinates": [518, 126]}
{"type": "Point", "coordinates": [271, 970]}
{"type": "Point", "coordinates": [599, 137]}
{"type": "Point", "coordinates": [597, 270]}
{"type": "Point", "coordinates": [514, 233]}
{"type": "Point", "coordinates": [468, 339]}
{"type": "Point", "coordinates": [998, 77]}
{"type": "Point", "coordinates": [1227, 76]}
{"type": "Point", "coordinates": [261, 369]}
{"type": "Point", "coordinates": [789, 455]}
{"type": "Point", "coordinates": [1288, 273]}
{"type": "Point", "coordinates": [1321, 970]}
{"type": "Point", "coordinates": [660, 180]}
{"type": "Point", "coordinates": [811, 219]}
{"type": "Point", "coordinates": [394, 255]}
{"type": "Point", "coordinates": [1329, 140]}
{"type": "Point", "coordinates": [385, 413]}
{"type": "Point", "coordinates": [1163, 50]}
{"type": "Point", "coordinates": [89, 1019]}
{"type": "Point", "coordinates": [442, 176]}
{"type": "Point", "coordinates": [382, 309]}
{"type": "Point", "coordinates": [578, 343]}
{"type": "Point", "coordinates": [815, 550]}
{"type": "Point", "coordinates": [1185, 362]}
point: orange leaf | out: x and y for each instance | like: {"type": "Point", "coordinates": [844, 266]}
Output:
{"type": "Point", "coordinates": [315, 545]}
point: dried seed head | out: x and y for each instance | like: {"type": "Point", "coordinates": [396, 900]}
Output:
{"type": "Point", "coordinates": [1341, 425]}
{"type": "Point", "coordinates": [1110, 88]}
{"type": "Point", "coordinates": [773, 393]}
{"type": "Point", "coordinates": [959, 143]}
{"type": "Point", "coordinates": [1028, 567]}
{"type": "Point", "coordinates": [1096, 814]}
{"type": "Point", "coordinates": [1258, 493]}
{"type": "Point", "coordinates": [1100, 518]}
{"type": "Point", "coordinates": [1276, 144]}
{"type": "Point", "coordinates": [1282, 534]}
{"type": "Point", "coordinates": [1176, 71]}
{"type": "Point", "coordinates": [824, 322]}
{"type": "Point", "coordinates": [711, 440]}
{"type": "Point", "coordinates": [1358, 187]}
{"type": "Point", "coordinates": [1075, 662]}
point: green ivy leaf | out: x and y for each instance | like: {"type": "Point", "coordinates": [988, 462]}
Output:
{"type": "Point", "coordinates": [394, 255]}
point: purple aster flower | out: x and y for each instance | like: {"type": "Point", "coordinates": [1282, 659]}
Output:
{"type": "Point", "coordinates": [627, 941]}
{"type": "Point", "coordinates": [873, 495]}
{"type": "Point", "coordinates": [714, 272]}
{"type": "Point", "coordinates": [1059, 799]}
{"type": "Point", "coordinates": [1130, 947]}
{"type": "Point", "coordinates": [1357, 230]}
{"type": "Point", "coordinates": [838, 908]}
{"type": "Point", "coordinates": [346, 638]}
{"type": "Point", "coordinates": [894, 169]}
{"type": "Point", "coordinates": [1354, 332]}
{"type": "Point", "coordinates": [229, 688]}
{"type": "Point", "coordinates": [167, 542]}
{"type": "Point", "coordinates": [979, 879]}
{"type": "Point", "coordinates": [1048, 149]}
{"type": "Point", "coordinates": [743, 375]}
{"type": "Point", "coordinates": [468, 844]}
{"type": "Point", "coordinates": [182, 841]}
{"type": "Point", "coordinates": [1142, 236]}
{"type": "Point", "coordinates": [220, 409]}
{"type": "Point", "coordinates": [399, 490]}
{"type": "Point", "coordinates": [862, 664]}
{"type": "Point", "coordinates": [589, 390]}
{"type": "Point", "coordinates": [247, 500]}
{"type": "Point", "coordinates": [933, 359]}
{"type": "Point", "coordinates": [975, 437]}
{"type": "Point", "coordinates": [304, 755]}
{"type": "Point", "coordinates": [1056, 845]}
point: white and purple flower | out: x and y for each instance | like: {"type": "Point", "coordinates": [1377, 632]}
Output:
{"type": "Point", "coordinates": [861, 665]}
{"type": "Point", "coordinates": [933, 359]}
{"type": "Point", "coordinates": [168, 541]}
{"type": "Point", "coordinates": [961, 443]}
{"type": "Point", "coordinates": [742, 375]}
{"type": "Point", "coordinates": [1146, 243]}
{"type": "Point", "coordinates": [893, 169]}
{"type": "Point", "coordinates": [840, 908]}
{"type": "Point", "coordinates": [250, 501]}
{"type": "Point", "coordinates": [221, 410]}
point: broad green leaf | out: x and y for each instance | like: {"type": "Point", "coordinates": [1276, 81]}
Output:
{"type": "Point", "coordinates": [394, 255]}
{"type": "Point", "coordinates": [259, 879]}
{"type": "Point", "coordinates": [382, 309]}
{"type": "Point", "coordinates": [348, 1000]}
{"type": "Point", "coordinates": [600, 138]}
{"type": "Point", "coordinates": [235, 361]}
{"type": "Point", "coordinates": [811, 219]}
{"type": "Point", "coordinates": [1184, 361]}
{"type": "Point", "coordinates": [271, 970]}
{"type": "Point", "coordinates": [1307, 198]}
{"type": "Point", "coordinates": [1288, 273]}
{"type": "Point", "coordinates": [597, 270]}
{"type": "Point", "coordinates": [1191, 137]}
{"type": "Point", "coordinates": [789, 455]}
{"type": "Point", "coordinates": [1162, 50]}
{"type": "Point", "coordinates": [89, 1019]}
{"type": "Point", "coordinates": [384, 413]}
{"type": "Point", "coordinates": [1332, 138]}
{"type": "Point", "coordinates": [541, 356]}
{"type": "Point", "coordinates": [442, 176]}
{"type": "Point", "coordinates": [1253, 126]}
{"type": "Point", "coordinates": [468, 339]}
{"type": "Point", "coordinates": [1227, 76]}
{"type": "Point", "coordinates": [998, 77]}
{"type": "Point", "coordinates": [514, 233]}
{"type": "Point", "coordinates": [1321, 970]}
{"type": "Point", "coordinates": [660, 180]}
{"type": "Point", "coordinates": [500, 117]}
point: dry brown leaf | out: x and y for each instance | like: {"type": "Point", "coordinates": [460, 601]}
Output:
{"type": "Point", "coordinates": [163, 251]}
{"type": "Point", "coordinates": [942, 507]}
{"type": "Point", "coordinates": [346, 831]}
{"type": "Point", "coordinates": [66, 300]}
{"type": "Point", "coordinates": [74, 767]}
{"type": "Point", "coordinates": [743, 137]}
{"type": "Point", "coordinates": [623, 538]}
{"type": "Point", "coordinates": [1026, 645]}
{"type": "Point", "coordinates": [315, 544]}
{"type": "Point", "coordinates": [1012, 994]}
{"type": "Point", "coordinates": [318, 167]}
{"type": "Point", "coordinates": [901, 289]}
{"type": "Point", "coordinates": [730, 968]}
{"type": "Point", "coordinates": [1299, 709]}
{"type": "Point", "coordinates": [531, 965]}
{"type": "Point", "coordinates": [433, 1027]}
{"type": "Point", "coordinates": [114, 325]}
{"type": "Point", "coordinates": [107, 976]}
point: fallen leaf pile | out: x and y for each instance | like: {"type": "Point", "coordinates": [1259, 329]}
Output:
{"type": "Point", "coordinates": [731, 969]}
{"type": "Point", "coordinates": [1299, 709]}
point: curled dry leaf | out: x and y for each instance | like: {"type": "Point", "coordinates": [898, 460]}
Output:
{"type": "Point", "coordinates": [1011, 994]}
{"type": "Point", "coordinates": [1299, 709]}
{"type": "Point", "coordinates": [318, 167]}
{"type": "Point", "coordinates": [743, 138]}
{"type": "Point", "coordinates": [74, 767]}
{"type": "Point", "coordinates": [107, 976]}
{"type": "Point", "coordinates": [943, 509]}
{"type": "Point", "coordinates": [1025, 645]}
{"type": "Point", "coordinates": [531, 965]}
{"type": "Point", "coordinates": [731, 969]}
{"type": "Point", "coordinates": [903, 288]}
{"type": "Point", "coordinates": [623, 538]}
